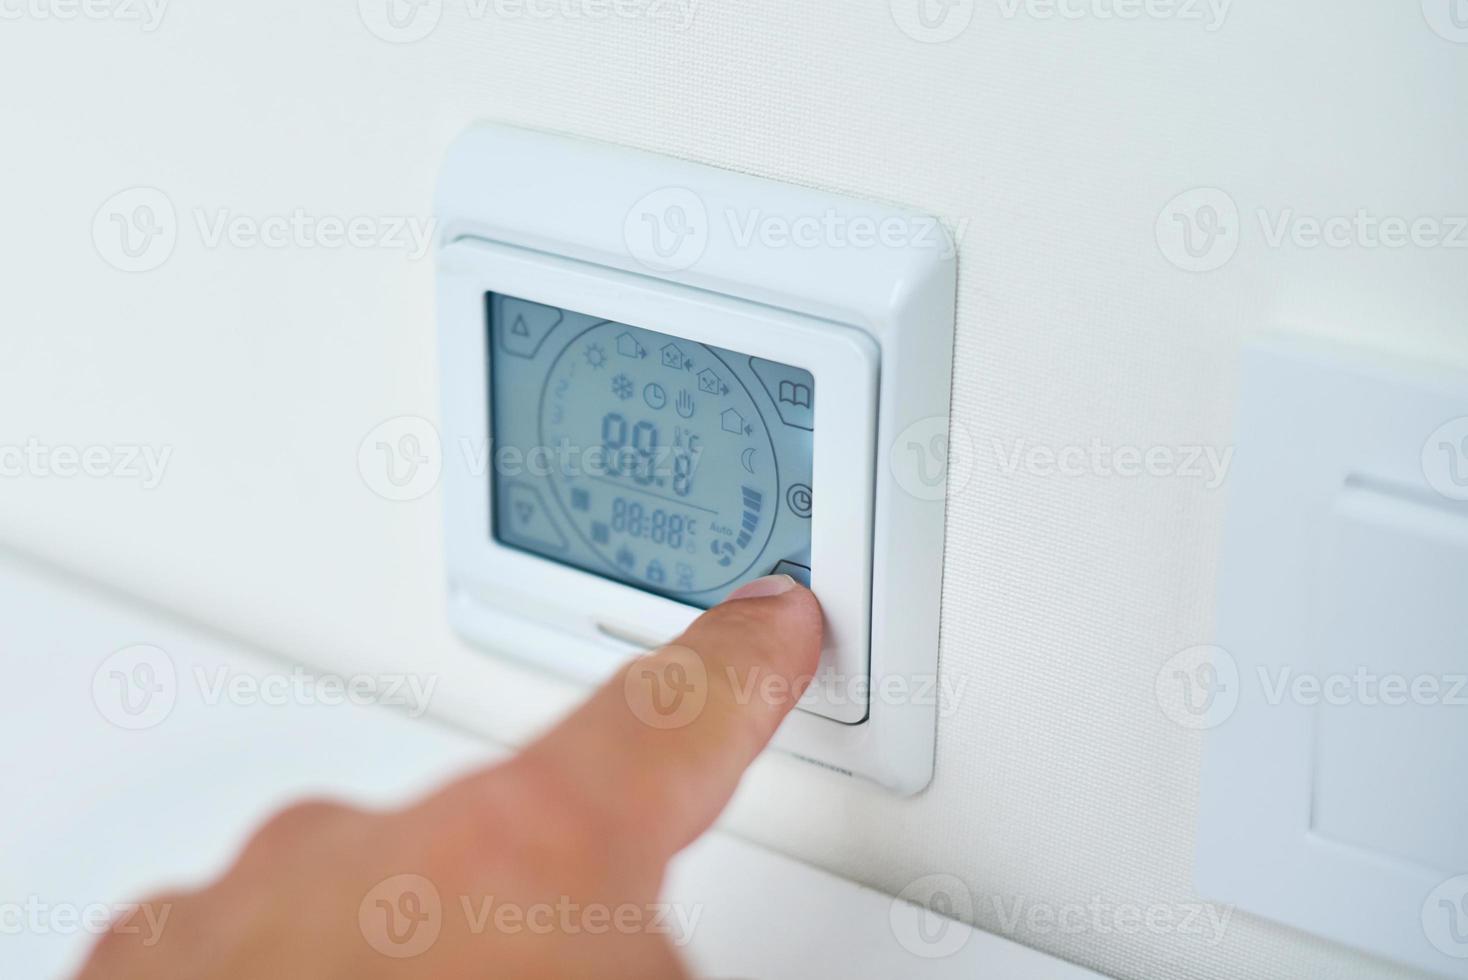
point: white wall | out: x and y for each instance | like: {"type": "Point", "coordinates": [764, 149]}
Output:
{"type": "Point", "coordinates": [1057, 141]}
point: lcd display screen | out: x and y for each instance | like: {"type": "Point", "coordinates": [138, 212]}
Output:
{"type": "Point", "coordinates": [677, 467]}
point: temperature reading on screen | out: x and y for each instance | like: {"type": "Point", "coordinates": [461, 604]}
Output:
{"type": "Point", "coordinates": [679, 467]}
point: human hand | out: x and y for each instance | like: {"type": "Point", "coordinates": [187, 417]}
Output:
{"type": "Point", "coordinates": [546, 865]}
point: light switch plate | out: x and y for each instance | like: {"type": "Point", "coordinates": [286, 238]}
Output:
{"type": "Point", "coordinates": [859, 295]}
{"type": "Point", "coordinates": [1334, 796]}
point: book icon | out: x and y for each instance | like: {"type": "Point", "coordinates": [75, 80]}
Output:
{"type": "Point", "coordinates": [795, 393]}
{"type": "Point", "coordinates": [792, 389]}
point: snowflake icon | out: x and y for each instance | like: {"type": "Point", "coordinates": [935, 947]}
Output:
{"type": "Point", "coordinates": [622, 387]}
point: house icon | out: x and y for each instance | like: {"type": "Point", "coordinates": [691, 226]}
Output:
{"type": "Point", "coordinates": [732, 421]}
{"type": "Point", "coordinates": [672, 356]}
{"type": "Point", "coordinates": [710, 383]}
{"type": "Point", "coordinates": [628, 346]}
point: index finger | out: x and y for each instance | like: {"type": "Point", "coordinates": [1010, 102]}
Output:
{"type": "Point", "coordinates": [659, 749]}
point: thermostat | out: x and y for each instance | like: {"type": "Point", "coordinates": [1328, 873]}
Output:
{"type": "Point", "coordinates": [668, 380]}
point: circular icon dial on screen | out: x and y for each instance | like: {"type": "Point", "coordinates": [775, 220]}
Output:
{"type": "Point", "coordinates": [668, 471]}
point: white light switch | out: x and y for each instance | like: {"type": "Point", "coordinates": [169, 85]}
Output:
{"type": "Point", "coordinates": [1334, 791]}
{"type": "Point", "coordinates": [1390, 735]}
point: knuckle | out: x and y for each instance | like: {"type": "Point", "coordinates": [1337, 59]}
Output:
{"type": "Point", "coordinates": [573, 829]}
{"type": "Point", "coordinates": [297, 824]}
{"type": "Point", "coordinates": [568, 828]}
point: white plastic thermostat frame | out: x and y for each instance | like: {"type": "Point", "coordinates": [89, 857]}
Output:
{"type": "Point", "coordinates": [861, 295]}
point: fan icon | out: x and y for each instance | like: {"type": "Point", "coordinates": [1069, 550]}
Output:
{"type": "Point", "coordinates": [622, 387]}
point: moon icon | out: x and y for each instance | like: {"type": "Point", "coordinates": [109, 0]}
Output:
{"type": "Point", "coordinates": [747, 460]}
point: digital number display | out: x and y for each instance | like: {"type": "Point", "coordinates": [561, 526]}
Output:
{"type": "Point", "coordinates": [678, 467]}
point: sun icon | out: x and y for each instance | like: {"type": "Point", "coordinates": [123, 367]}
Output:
{"type": "Point", "coordinates": [596, 356]}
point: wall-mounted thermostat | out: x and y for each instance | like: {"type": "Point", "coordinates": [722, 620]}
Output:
{"type": "Point", "coordinates": [680, 379]}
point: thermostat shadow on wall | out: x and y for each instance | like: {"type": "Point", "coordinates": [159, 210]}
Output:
{"type": "Point", "coordinates": [683, 379]}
